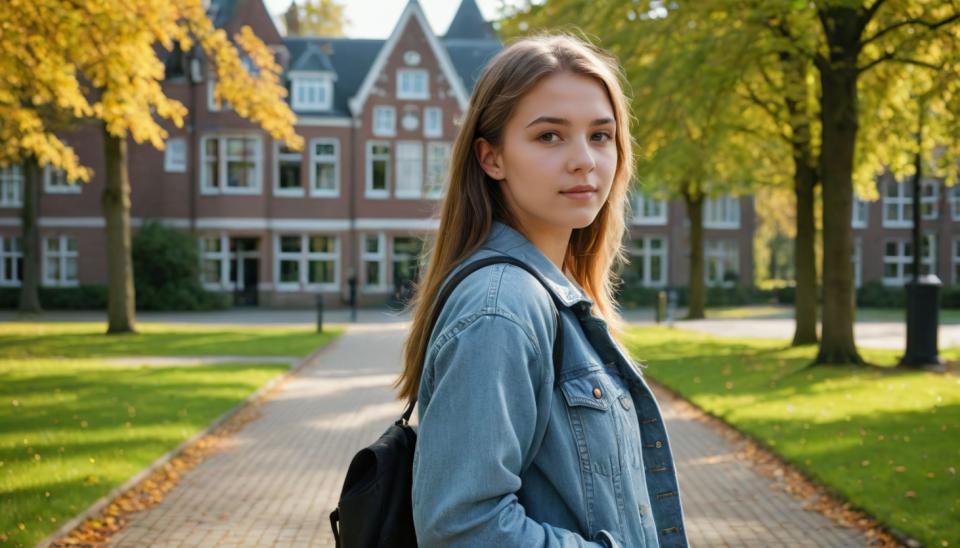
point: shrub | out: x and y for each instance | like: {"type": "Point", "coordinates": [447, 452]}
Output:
{"type": "Point", "coordinates": [167, 272]}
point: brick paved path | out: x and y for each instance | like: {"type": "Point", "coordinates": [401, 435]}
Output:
{"type": "Point", "coordinates": [277, 482]}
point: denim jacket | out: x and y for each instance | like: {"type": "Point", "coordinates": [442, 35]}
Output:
{"type": "Point", "coordinates": [505, 457]}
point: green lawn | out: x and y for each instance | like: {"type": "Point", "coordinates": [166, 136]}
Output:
{"type": "Point", "coordinates": [73, 429]}
{"type": "Point", "coordinates": [885, 439]}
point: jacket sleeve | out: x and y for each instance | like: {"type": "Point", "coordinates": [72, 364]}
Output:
{"type": "Point", "coordinates": [474, 435]}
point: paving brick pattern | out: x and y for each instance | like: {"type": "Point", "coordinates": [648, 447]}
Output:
{"type": "Point", "coordinates": [277, 481]}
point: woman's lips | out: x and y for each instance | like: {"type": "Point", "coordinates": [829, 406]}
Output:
{"type": "Point", "coordinates": [580, 195]}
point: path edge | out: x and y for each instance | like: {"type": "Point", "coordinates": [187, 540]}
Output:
{"type": "Point", "coordinates": [105, 500]}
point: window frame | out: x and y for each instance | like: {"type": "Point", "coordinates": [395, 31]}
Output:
{"type": "Point", "coordinates": [223, 258]}
{"type": "Point", "coordinates": [727, 244]}
{"type": "Point", "coordinates": [369, 191]}
{"type": "Point", "coordinates": [223, 162]}
{"type": "Point", "coordinates": [380, 129]}
{"type": "Point", "coordinates": [12, 184]}
{"type": "Point", "coordinates": [729, 212]}
{"type": "Point", "coordinates": [278, 157]}
{"type": "Point", "coordinates": [640, 200]}
{"type": "Point", "coordinates": [904, 261]}
{"type": "Point", "coordinates": [433, 191]}
{"type": "Point", "coordinates": [409, 193]}
{"type": "Point", "coordinates": [646, 253]}
{"type": "Point", "coordinates": [303, 258]}
{"type": "Point", "coordinates": [318, 81]}
{"type": "Point", "coordinates": [860, 221]}
{"type": "Point", "coordinates": [11, 249]}
{"type": "Point", "coordinates": [49, 172]}
{"type": "Point", "coordinates": [62, 255]}
{"type": "Point", "coordinates": [315, 159]}
{"type": "Point", "coordinates": [431, 114]}
{"type": "Point", "coordinates": [404, 92]}
{"type": "Point", "coordinates": [380, 258]}
{"type": "Point", "coordinates": [169, 166]}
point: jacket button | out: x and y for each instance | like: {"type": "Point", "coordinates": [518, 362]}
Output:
{"type": "Point", "coordinates": [597, 393]}
{"type": "Point", "coordinates": [659, 444]}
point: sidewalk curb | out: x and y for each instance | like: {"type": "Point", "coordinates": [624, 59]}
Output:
{"type": "Point", "coordinates": [105, 500]}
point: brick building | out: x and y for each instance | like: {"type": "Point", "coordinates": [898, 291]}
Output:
{"type": "Point", "coordinates": [277, 227]}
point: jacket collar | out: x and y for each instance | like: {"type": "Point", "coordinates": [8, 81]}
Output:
{"type": "Point", "coordinates": [505, 239]}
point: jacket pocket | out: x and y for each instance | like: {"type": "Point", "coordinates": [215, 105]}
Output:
{"type": "Point", "coordinates": [590, 398]}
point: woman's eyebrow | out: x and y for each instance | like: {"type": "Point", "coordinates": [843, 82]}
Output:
{"type": "Point", "coordinates": [565, 122]}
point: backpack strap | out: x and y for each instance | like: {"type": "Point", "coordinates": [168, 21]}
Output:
{"type": "Point", "coordinates": [466, 271]}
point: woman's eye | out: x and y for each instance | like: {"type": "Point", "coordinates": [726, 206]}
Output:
{"type": "Point", "coordinates": [602, 136]}
{"type": "Point", "coordinates": [549, 137]}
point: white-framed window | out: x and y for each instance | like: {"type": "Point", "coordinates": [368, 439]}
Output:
{"type": "Point", "coordinates": [11, 261]}
{"type": "Point", "coordinates": [384, 121]}
{"type": "Point", "coordinates": [722, 260]}
{"type": "Point", "coordinates": [11, 186]}
{"type": "Point", "coordinates": [898, 202]}
{"type": "Point", "coordinates": [306, 262]}
{"type": "Point", "coordinates": [953, 197]}
{"type": "Point", "coordinates": [413, 84]}
{"type": "Point", "coordinates": [215, 261]}
{"type": "Point", "coordinates": [325, 167]}
{"type": "Point", "coordinates": [378, 169]}
{"type": "Point", "coordinates": [860, 211]}
{"type": "Point", "coordinates": [374, 257]}
{"type": "Point", "coordinates": [438, 162]}
{"type": "Point", "coordinates": [60, 261]}
{"type": "Point", "coordinates": [175, 155]}
{"type": "Point", "coordinates": [214, 105]}
{"type": "Point", "coordinates": [433, 122]}
{"type": "Point", "coordinates": [409, 169]}
{"type": "Point", "coordinates": [55, 182]}
{"type": "Point", "coordinates": [288, 171]}
{"type": "Point", "coordinates": [232, 164]}
{"type": "Point", "coordinates": [311, 92]}
{"type": "Point", "coordinates": [648, 210]}
{"type": "Point", "coordinates": [898, 259]}
{"type": "Point", "coordinates": [857, 262]}
{"type": "Point", "coordinates": [956, 261]}
{"type": "Point", "coordinates": [649, 260]}
{"type": "Point", "coordinates": [722, 212]}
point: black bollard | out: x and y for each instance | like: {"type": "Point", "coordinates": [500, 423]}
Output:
{"type": "Point", "coordinates": [319, 313]}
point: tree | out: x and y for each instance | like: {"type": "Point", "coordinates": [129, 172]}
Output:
{"type": "Point", "coordinates": [315, 18]}
{"type": "Point", "coordinates": [101, 58]}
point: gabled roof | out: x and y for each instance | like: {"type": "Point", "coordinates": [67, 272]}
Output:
{"type": "Point", "coordinates": [312, 59]}
{"type": "Point", "coordinates": [412, 12]}
{"type": "Point", "coordinates": [468, 23]}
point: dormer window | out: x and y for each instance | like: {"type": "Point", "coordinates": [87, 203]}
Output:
{"type": "Point", "coordinates": [311, 91]}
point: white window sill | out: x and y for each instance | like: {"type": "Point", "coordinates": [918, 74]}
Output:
{"type": "Point", "coordinates": [324, 194]}
{"type": "Point", "coordinates": [377, 133]}
{"type": "Point", "coordinates": [289, 192]}
{"type": "Point", "coordinates": [722, 226]}
{"type": "Point", "coordinates": [651, 221]}
{"type": "Point", "coordinates": [897, 224]}
{"type": "Point", "coordinates": [377, 195]}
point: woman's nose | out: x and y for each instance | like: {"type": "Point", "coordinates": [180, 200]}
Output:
{"type": "Point", "coordinates": [581, 157]}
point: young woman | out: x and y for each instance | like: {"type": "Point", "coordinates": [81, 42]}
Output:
{"type": "Point", "coordinates": [508, 455]}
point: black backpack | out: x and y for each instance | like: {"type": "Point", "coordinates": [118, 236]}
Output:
{"type": "Point", "coordinates": [375, 506]}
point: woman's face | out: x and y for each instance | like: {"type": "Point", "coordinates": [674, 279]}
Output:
{"type": "Point", "coordinates": [561, 136]}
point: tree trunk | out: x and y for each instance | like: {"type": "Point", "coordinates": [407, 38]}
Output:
{"type": "Point", "coordinates": [116, 212]}
{"type": "Point", "coordinates": [838, 81]}
{"type": "Point", "coordinates": [804, 181]}
{"type": "Point", "coordinates": [696, 295]}
{"type": "Point", "coordinates": [804, 256]}
{"type": "Point", "coordinates": [30, 239]}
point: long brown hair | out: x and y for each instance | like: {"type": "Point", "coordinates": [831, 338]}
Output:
{"type": "Point", "coordinates": [472, 202]}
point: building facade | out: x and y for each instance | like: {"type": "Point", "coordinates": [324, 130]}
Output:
{"type": "Point", "coordinates": [278, 227]}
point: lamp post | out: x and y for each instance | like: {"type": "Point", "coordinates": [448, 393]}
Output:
{"type": "Point", "coordinates": [923, 292]}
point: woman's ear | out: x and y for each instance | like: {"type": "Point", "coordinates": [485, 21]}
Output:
{"type": "Point", "coordinates": [489, 158]}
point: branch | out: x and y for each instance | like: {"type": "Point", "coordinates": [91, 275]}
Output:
{"type": "Point", "coordinates": [930, 26]}
{"type": "Point", "coordinates": [892, 57]}
{"type": "Point", "coordinates": [868, 15]}
{"type": "Point", "coordinates": [765, 105]}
